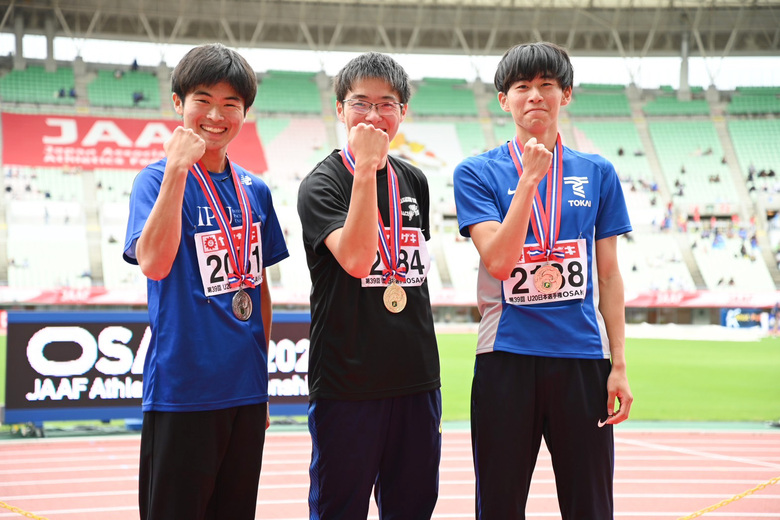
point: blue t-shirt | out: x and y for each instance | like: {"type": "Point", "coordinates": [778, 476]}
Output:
{"type": "Point", "coordinates": [567, 324]}
{"type": "Point", "coordinates": [201, 357]}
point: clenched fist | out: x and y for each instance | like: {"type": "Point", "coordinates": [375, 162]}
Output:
{"type": "Point", "coordinates": [369, 145]}
{"type": "Point", "coordinates": [184, 148]}
{"type": "Point", "coordinates": [536, 160]}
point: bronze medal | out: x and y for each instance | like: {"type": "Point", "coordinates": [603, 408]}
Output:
{"type": "Point", "coordinates": [394, 298]}
{"type": "Point", "coordinates": [547, 279]}
{"type": "Point", "coordinates": [242, 305]}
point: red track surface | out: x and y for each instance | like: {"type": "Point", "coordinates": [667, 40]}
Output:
{"type": "Point", "coordinates": [659, 475]}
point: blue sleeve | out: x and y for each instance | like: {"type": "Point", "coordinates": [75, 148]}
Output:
{"type": "Point", "coordinates": [146, 188]}
{"type": "Point", "coordinates": [475, 200]}
{"type": "Point", "coordinates": [612, 217]}
{"type": "Point", "coordinates": [274, 245]}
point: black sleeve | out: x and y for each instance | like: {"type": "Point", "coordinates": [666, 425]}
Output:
{"type": "Point", "coordinates": [323, 203]}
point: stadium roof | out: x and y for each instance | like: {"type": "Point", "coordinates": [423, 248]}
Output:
{"type": "Point", "coordinates": [626, 28]}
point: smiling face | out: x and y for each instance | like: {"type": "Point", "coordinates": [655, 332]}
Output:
{"type": "Point", "coordinates": [535, 105]}
{"type": "Point", "coordinates": [372, 90]}
{"type": "Point", "coordinates": [216, 114]}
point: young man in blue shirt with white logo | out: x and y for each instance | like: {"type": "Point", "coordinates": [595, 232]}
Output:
{"type": "Point", "coordinates": [550, 355]}
{"type": "Point", "coordinates": [203, 230]}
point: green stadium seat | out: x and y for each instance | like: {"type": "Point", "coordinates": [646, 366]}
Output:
{"type": "Point", "coordinates": [756, 143]}
{"type": "Point", "coordinates": [598, 104]}
{"type": "Point", "coordinates": [471, 137]}
{"type": "Point", "coordinates": [754, 104]}
{"type": "Point", "coordinates": [606, 138]}
{"type": "Point", "coordinates": [695, 146]}
{"type": "Point", "coordinates": [597, 87]}
{"type": "Point", "coordinates": [288, 92]}
{"type": "Point", "coordinates": [107, 90]}
{"type": "Point", "coordinates": [35, 85]}
{"type": "Point", "coordinates": [671, 106]}
{"type": "Point", "coordinates": [442, 97]}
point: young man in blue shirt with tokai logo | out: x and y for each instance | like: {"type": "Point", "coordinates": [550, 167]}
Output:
{"type": "Point", "coordinates": [550, 351]}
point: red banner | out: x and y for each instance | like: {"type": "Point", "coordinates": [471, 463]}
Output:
{"type": "Point", "coordinates": [442, 297]}
{"type": "Point", "coordinates": [105, 142]}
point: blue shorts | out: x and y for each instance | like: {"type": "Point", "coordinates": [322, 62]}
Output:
{"type": "Point", "coordinates": [392, 445]}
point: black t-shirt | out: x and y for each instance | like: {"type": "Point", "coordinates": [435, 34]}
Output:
{"type": "Point", "coordinates": [359, 349]}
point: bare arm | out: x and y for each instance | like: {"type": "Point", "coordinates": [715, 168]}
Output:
{"type": "Point", "coordinates": [266, 309]}
{"type": "Point", "coordinates": [354, 246]}
{"type": "Point", "coordinates": [267, 313]}
{"type": "Point", "coordinates": [159, 241]}
{"type": "Point", "coordinates": [612, 308]}
{"type": "Point", "coordinates": [500, 245]}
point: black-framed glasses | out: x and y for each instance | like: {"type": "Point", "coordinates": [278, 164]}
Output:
{"type": "Point", "coordinates": [385, 108]}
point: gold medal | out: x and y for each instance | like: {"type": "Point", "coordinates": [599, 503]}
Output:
{"type": "Point", "coordinates": [242, 305]}
{"type": "Point", "coordinates": [394, 298]}
{"type": "Point", "coordinates": [547, 279]}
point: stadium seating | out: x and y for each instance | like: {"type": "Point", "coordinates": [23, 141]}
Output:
{"type": "Point", "coordinates": [443, 97]}
{"type": "Point", "coordinates": [44, 184]}
{"type": "Point", "coordinates": [35, 85]}
{"type": "Point", "coordinates": [756, 145]}
{"type": "Point", "coordinates": [609, 138]}
{"type": "Point", "coordinates": [288, 92]}
{"type": "Point", "coordinates": [653, 262]}
{"type": "Point", "coordinates": [724, 266]}
{"type": "Point", "coordinates": [296, 134]}
{"type": "Point", "coordinates": [694, 146]}
{"type": "Point", "coordinates": [755, 100]}
{"type": "Point", "coordinates": [671, 106]}
{"type": "Point", "coordinates": [598, 104]}
{"type": "Point", "coordinates": [292, 147]}
{"type": "Point", "coordinates": [471, 137]}
{"type": "Point", "coordinates": [46, 256]}
{"type": "Point", "coordinates": [117, 274]}
{"type": "Point", "coordinates": [114, 185]}
{"type": "Point", "coordinates": [110, 89]}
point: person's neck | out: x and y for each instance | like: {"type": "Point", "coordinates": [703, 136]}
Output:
{"type": "Point", "coordinates": [548, 139]}
{"type": "Point", "coordinates": [215, 163]}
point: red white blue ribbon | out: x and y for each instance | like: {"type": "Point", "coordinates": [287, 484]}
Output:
{"type": "Point", "coordinates": [546, 225]}
{"type": "Point", "coordinates": [389, 246]}
{"type": "Point", "coordinates": [240, 274]}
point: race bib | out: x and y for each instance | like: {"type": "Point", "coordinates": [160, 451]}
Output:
{"type": "Point", "coordinates": [519, 289]}
{"type": "Point", "coordinates": [413, 256]}
{"type": "Point", "coordinates": [214, 262]}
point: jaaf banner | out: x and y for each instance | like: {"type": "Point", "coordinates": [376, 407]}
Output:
{"type": "Point", "coordinates": [105, 142]}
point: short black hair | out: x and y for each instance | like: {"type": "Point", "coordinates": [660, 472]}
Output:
{"type": "Point", "coordinates": [207, 65]}
{"type": "Point", "coordinates": [528, 61]}
{"type": "Point", "coordinates": [372, 65]}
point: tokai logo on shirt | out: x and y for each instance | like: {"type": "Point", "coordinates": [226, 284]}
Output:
{"type": "Point", "coordinates": [578, 187]}
{"type": "Point", "coordinates": [577, 184]}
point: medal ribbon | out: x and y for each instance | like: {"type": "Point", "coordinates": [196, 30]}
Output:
{"type": "Point", "coordinates": [389, 247]}
{"type": "Point", "coordinates": [240, 274]}
{"type": "Point", "coordinates": [546, 225]}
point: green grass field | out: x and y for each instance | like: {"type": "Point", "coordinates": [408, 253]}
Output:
{"type": "Point", "coordinates": [672, 380]}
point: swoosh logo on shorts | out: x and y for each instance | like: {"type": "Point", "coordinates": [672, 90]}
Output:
{"type": "Point", "coordinates": [510, 192]}
{"type": "Point", "coordinates": [602, 423]}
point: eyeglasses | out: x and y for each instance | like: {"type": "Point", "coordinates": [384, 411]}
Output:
{"type": "Point", "coordinates": [386, 108]}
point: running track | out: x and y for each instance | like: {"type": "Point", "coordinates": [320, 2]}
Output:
{"type": "Point", "coordinates": [660, 474]}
